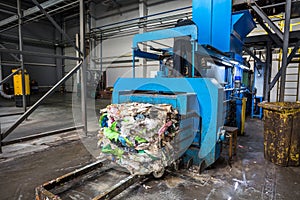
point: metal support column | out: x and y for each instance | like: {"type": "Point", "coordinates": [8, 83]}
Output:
{"type": "Point", "coordinates": [268, 67]}
{"type": "Point", "coordinates": [92, 42]}
{"type": "Point", "coordinates": [78, 76]}
{"type": "Point", "coordinates": [84, 66]}
{"type": "Point", "coordinates": [0, 139]}
{"type": "Point", "coordinates": [0, 121]}
{"type": "Point", "coordinates": [285, 48]}
{"type": "Point", "coordinates": [59, 51]}
{"type": "Point", "coordinates": [101, 61]}
{"type": "Point", "coordinates": [21, 55]}
{"type": "Point", "coordinates": [143, 12]}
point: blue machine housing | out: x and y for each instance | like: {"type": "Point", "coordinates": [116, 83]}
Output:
{"type": "Point", "coordinates": [201, 102]}
{"type": "Point", "coordinates": [221, 28]}
{"type": "Point", "coordinates": [198, 101]}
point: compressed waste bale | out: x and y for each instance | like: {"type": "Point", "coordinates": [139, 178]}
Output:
{"type": "Point", "coordinates": [139, 136]}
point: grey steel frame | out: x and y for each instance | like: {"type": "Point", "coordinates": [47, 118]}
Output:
{"type": "Point", "coordinates": [84, 66]}
{"type": "Point", "coordinates": [253, 55]}
{"type": "Point", "coordinates": [282, 40]}
{"type": "Point", "coordinates": [289, 59]}
{"type": "Point", "coordinates": [267, 65]}
{"type": "Point", "coordinates": [263, 16]}
{"type": "Point", "coordinates": [268, 68]}
{"type": "Point", "coordinates": [285, 47]}
{"type": "Point", "coordinates": [81, 64]}
{"type": "Point", "coordinates": [11, 54]}
{"type": "Point", "coordinates": [21, 55]}
{"type": "Point", "coordinates": [34, 106]}
{"type": "Point", "coordinates": [56, 25]}
{"type": "Point", "coordinates": [271, 35]}
{"type": "Point", "coordinates": [30, 13]}
{"type": "Point", "coordinates": [30, 53]}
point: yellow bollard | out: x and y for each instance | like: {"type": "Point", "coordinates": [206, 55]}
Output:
{"type": "Point", "coordinates": [18, 92]}
{"type": "Point", "coordinates": [243, 115]}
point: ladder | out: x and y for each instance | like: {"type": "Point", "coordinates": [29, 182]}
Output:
{"type": "Point", "coordinates": [291, 92]}
{"type": "Point", "coordinates": [292, 79]}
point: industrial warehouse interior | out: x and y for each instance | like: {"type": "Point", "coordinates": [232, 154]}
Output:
{"type": "Point", "coordinates": [149, 99]}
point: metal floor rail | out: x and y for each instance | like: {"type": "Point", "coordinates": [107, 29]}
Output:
{"type": "Point", "coordinates": [45, 191]}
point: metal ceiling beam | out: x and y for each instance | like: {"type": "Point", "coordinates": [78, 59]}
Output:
{"type": "Point", "coordinates": [8, 6]}
{"type": "Point", "coordinates": [56, 9]}
{"type": "Point", "coordinates": [7, 12]}
{"type": "Point", "coordinates": [238, 2]}
{"type": "Point", "coordinates": [56, 25]}
{"type": "Point", "coordinates": [264, 17]}
{"type": "Point", "coordinates": [262, 40]}
{"type": "Point", "coordinates": [30, 11]}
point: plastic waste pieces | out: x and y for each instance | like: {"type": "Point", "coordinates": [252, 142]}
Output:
{"type": "Point", "coordinates": [139, 136]}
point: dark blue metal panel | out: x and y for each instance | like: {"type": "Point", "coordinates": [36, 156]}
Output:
{"type": "Point", "coordinates": [242, 23]}
{"type": "Point", "coordinates": [236, 44]}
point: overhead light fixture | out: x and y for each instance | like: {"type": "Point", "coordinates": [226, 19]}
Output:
{"type": "Point", "coordinates": [234, 62]}
{"type": "Point", "coordinates": [226, 63]}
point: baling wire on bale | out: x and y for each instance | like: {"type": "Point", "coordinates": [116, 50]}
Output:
{"type": "Point", "coordinates": [139, 136]}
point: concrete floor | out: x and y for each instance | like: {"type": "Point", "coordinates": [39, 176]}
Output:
{"type": "Point", "coordinates": [26, 165]}
{"type": "Point", "coordinates": [57, 112]}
